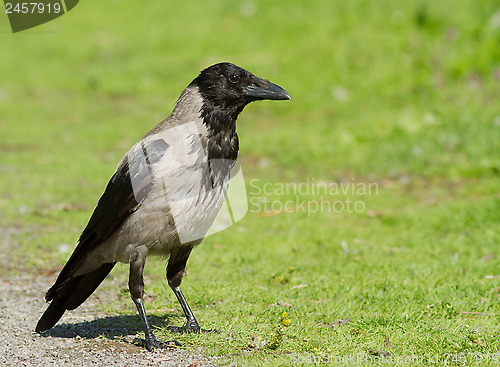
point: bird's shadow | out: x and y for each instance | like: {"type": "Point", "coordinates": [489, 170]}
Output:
{"type": "Point", "coordinates": [124, 327]}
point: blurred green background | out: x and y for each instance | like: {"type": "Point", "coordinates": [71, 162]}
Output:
{"type": "Point", "coordinates": [405, 94]}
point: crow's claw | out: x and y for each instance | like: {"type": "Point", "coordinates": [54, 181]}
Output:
{"type": "Point", "coordinates": [155, 343]}
{"type": "Point", "coordinates": [188, 329]}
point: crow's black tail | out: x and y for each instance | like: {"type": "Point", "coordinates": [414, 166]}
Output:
{"type": "Point", "coordinates": [71, 295]}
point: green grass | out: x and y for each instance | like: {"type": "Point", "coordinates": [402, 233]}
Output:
{"type": "Point", "coordinates": [401, 94]}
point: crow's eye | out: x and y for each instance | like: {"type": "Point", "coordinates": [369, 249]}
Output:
{"type": "Point", "coordinates": [233, 78]}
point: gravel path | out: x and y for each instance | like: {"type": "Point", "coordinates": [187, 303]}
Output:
{"type": "Point", "coordinates": [83, 337]}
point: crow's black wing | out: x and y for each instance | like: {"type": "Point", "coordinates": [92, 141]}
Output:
{"type": "Point", "coordinates": [125, 191]}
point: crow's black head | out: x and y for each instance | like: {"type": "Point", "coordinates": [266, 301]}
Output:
{"type": "Point", "coordinates": [226, 89]}
{"type": "Point", "coordinates": [228, 86]}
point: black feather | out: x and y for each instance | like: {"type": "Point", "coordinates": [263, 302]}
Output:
{"type": "Point", "coordinates": [72, 295]}
{"type": "Point", "coordinates": [118, 200]}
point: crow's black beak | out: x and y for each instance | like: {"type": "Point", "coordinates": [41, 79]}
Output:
{"type": "Point", "coordinates": [266, 90]}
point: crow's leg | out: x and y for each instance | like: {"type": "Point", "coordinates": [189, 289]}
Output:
{"type": "Point", "coordinates": [175, 271]}
{"type": "Point", "coordinates": [136, 286]}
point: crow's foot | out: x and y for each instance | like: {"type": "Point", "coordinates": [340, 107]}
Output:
{"type": "Point", "coordinates": [189, 328]}
{"type": "Point", "coordinates": [153, 343]}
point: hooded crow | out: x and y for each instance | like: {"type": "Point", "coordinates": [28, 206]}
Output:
{"type": "Point", "coordinates": [164, 195]}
